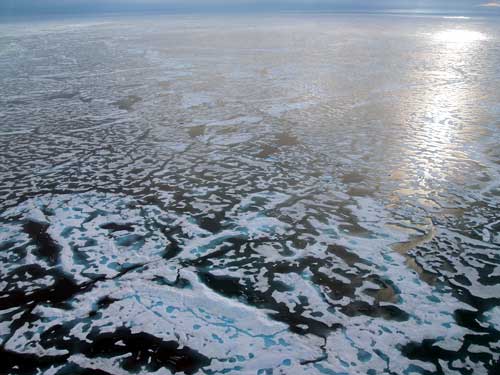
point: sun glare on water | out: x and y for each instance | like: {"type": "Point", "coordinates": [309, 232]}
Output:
{"type": "Point", "coordinates": [459, 37]}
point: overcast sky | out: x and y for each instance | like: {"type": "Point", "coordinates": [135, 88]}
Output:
{"type": "Point", "coordinates": [56, 6]}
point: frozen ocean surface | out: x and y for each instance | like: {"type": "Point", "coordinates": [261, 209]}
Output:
{"type": "Point", "coordinates": [250, 195]}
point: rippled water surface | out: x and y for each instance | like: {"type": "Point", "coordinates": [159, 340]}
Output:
{"type": "Point", "coordinates": [255, 195]}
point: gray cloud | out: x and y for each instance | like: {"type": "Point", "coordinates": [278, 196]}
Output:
{"type": "Point", "coordinates": [491, 4]}
{"type": "Point", "coordinates": [34, 6]}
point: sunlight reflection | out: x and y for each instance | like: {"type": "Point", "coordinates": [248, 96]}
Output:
{"type": "Point", "coordinates": [444, 105]}
{"type": "Point", "coordinates": [442, 111]}
{"type": "Point", "coordinates": [459, 37]}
